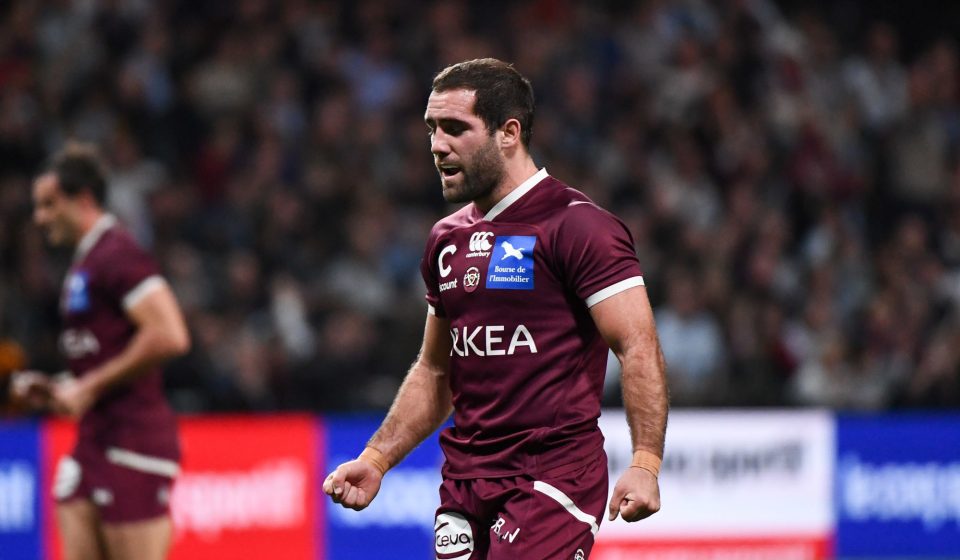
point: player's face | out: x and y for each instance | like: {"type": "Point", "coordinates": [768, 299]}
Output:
{"type": "Point", "coordinates": [53, 211]}
{"type": "Point", "coordinates": [464, 151]}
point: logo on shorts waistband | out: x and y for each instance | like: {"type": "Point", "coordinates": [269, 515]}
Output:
{"type": "Point", "coordinates": [454, 537]}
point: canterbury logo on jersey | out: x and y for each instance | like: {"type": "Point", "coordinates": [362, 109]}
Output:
{"type": "Point", "coordinates": [489, 340]}
{"type": "Point", "coordinates": [480, 244]}
{"type": "Point", "coordinates": [478, 241]}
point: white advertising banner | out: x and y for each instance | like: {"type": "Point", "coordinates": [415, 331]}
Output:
{"type": "Point", "coordinates": [735, 477]}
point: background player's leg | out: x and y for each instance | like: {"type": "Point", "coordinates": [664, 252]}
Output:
{"type": "Point", "coordinates": [139, 540]}
{"type": "Point", "coordinates": [78, 522]}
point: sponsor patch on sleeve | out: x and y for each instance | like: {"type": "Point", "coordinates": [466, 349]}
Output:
{"type": "Point", "coordinates": [511, 265]}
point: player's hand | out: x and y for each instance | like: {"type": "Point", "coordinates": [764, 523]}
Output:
{"type": "Point", "coordinates": [636, 495]}
{"type": "Point", "coordinates": [353, 484]}
{"type": "Point", "coordinates": [72, 397]}
{"type": "Point", "coordinates": [30, 389]}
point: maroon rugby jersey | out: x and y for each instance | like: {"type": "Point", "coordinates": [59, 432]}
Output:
{"type": "Point", "coordinates": [527, 364]}
{"type": "Point", "coordinates": [109, 274]}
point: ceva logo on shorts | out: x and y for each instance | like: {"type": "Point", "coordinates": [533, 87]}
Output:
{"type": "Point", "coordinates": [454, 537]}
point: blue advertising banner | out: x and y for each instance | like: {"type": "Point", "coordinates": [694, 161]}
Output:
{"type": "Point", "coordinates": [398, 525]}
{"type": "Point", "coordinates": [898, 486]}
{"type": "Point", "coordinates": [20, 520]}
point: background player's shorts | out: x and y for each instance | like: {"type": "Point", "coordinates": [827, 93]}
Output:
{"type": "Point", "coordinates": [125, 486]}
{"type": "Point", "coordinates": [555, 516]}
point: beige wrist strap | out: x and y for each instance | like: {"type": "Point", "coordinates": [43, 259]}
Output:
{"type": "Point", "coordinates": [643, 459]}
{"type": "Point", "coordinates": [374, 457]}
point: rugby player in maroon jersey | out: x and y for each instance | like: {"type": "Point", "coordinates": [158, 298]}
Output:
{"type": "Point", "coordinates": [120, 322]}
{"type": "Point", "coordinates": [528, 285]}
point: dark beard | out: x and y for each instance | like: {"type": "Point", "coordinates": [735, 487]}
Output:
{"type": "Point", "coordinates": [483, 175]}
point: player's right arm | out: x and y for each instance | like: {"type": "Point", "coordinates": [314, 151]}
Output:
{"type": "Point", "coordinates": [422, 404]}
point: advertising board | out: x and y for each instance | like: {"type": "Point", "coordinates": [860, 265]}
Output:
{"type": "Point", "coordinates": [247, 488]}
{"type": "Point", "coordinates": [898, 486]}
{"type": "Point", "coordinates": [20, 519]}
{"type": "Point", "coordinates": [398, 525]}
{"type": "Point", "coordinates": [743, 484]}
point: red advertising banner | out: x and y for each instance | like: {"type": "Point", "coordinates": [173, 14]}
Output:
{"type": "Point", "coordinates": [247, 489]}
{"type": "Point", "coordinates": [801, 547]}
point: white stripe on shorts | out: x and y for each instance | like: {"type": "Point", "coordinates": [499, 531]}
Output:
{"type": "Point", "coordinates": [567, 504]}
{"type": "Point", "coordinates": [143, 463]}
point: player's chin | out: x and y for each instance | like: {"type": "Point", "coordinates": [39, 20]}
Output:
{"type": "Point", "coordinates": [453, 191]}
{"type": "Point", "coordinates": [52, 237]}
{"type": "Point", "coordinates": [56, 232]}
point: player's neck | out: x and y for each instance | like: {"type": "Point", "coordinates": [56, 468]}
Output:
{"type": "Point", "coordinates": [515, 173]}
{"type": "Point", "coordinates": [87, 220]}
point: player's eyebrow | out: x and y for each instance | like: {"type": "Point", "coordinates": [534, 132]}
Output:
{"type": "Point", "coordinates": [444, 122]}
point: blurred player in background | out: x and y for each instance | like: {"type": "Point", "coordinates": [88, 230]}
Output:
{"type": "Point", "coordinates": [527, 287]}
{"type": "Point", "coordinates": [120, 322]}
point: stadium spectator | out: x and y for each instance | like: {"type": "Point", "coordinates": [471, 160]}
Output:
{"type": "Point", "coordinates": [837, 120]}
{"type": "Point", "coordinates": [692, 343]}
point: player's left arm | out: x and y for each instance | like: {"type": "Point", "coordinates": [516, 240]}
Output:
{"type": "Point", "coordinates": [161, 334]}
{"type": "Point", "coordinates": [625, 321]}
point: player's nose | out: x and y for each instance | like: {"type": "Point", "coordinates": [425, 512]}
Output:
{"type": "Point", "coordinates": [439, 146]}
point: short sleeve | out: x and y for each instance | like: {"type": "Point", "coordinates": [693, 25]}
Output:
{"type": "Point", "coordinates": [596, 254]}
{"type": "Point", "coordinates": [130, 273]}
{"type": "Point", "coordinates": [428, 269]}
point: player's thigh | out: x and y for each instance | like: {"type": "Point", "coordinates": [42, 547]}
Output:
{"type": "Point", "coordinates": [78, 523]}
{"type": "Point", "coordinates": [133, 507]}
{"type": "Point", "coordinates": [78, 519]}
{"type": "Point", "coordinates": [139, 540]}
{"type": "Point", "coordinates": [556, 517]}
{"type": "Point", "coordinates": [458, 535]}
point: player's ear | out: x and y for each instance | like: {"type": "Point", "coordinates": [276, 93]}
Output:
{"type": "Point", "coordinates": [510, 133]}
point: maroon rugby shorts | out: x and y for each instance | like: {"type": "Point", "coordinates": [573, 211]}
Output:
{"type": "Point", "coordinates": [554, 516]}
{"type": "Point", "coordinates": [125, 486]}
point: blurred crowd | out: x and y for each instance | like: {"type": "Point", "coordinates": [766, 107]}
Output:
{"type": "Point", "coordinates": [794, 191]}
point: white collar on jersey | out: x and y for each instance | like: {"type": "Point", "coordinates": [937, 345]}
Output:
{"type": "Point", "coordinates": [515, 194]}
{"type": "Point", "coordinates": [90, 238]}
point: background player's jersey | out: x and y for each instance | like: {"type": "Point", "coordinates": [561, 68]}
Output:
{"type": "Point", "coordinates": [109, 274]}
{"type": "Point", "coordinates": [527, 364]}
